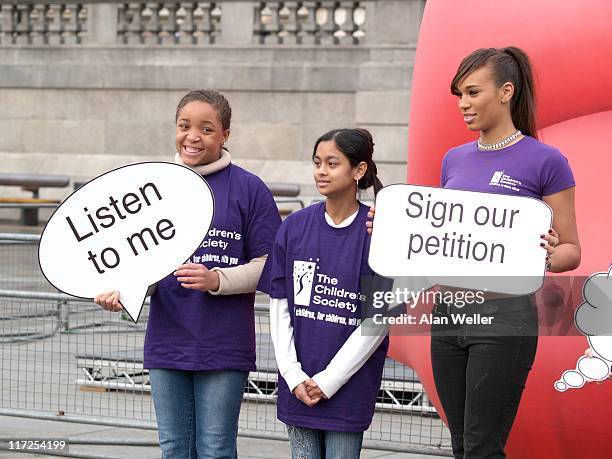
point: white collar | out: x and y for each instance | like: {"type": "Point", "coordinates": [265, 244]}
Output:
{"type": "Point", "coordinates": [346, 222]}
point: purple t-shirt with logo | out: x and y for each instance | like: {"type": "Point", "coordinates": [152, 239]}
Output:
{"type": "Point", "coordinates": [526, 168]}
{"type": "Point", "coordinates": [318, 269]}
{"type": "Point", "coordinates": [193, 330]}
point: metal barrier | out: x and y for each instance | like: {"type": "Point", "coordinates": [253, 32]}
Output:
{"type": "Point", "coordinates": [67, 359]}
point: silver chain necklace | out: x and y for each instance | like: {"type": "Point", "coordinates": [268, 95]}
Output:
{"type": "Point", "coordinates": [500, 144]}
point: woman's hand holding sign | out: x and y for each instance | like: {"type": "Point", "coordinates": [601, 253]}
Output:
{"type": "Point", "coordinates": [551, 240]}
{"type": "Point", "coordinates": [191, 276]}
{"type": "Point", "coordinates": [196, 276]}
{"type": "Point", "coordinates": [370, 223]}
{"type": "Point", "coordinates": [562, 245]}
{"type": "Point", "coordinates": [109, 301]}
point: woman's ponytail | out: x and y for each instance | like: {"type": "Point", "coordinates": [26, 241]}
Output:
{"type": "Point", "coordinates": [523, 101]}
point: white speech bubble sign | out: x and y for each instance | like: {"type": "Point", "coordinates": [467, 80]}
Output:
{"type": "Point", "coordinates": [463, 239]}
{"type": "Point", "coordinates": [126, 230]}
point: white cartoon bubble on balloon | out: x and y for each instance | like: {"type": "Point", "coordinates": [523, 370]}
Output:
{"type": "Point", "coordinates": [594, 319]}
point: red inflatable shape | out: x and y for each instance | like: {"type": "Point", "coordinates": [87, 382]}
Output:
{"type": "Point", "coordinates": [570, 44]}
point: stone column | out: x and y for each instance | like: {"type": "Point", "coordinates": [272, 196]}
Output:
{"type": "Point", "coordinates": [7, 25]}
{"type": "Point", "coordinates": [394, 22]}
{"type": "Point", "coordinates": [102, 24]}
{"type": "Point", "coordinates": [237, 20]}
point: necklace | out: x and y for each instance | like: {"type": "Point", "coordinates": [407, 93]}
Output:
{"type": "Point", "coordinates": [500, 144]}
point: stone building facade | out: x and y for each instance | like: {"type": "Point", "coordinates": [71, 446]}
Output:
{"type": "Point", "coordinates": [89, 85]}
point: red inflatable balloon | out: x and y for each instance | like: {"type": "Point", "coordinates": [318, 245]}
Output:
{"type": "Point", "coordinates": [569, 44]}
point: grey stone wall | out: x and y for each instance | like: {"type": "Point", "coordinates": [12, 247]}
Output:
{"type": "Point", "coordinates": [81, 109]}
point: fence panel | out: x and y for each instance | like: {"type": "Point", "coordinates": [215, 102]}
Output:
{"type": "Point", "coordinates": [68, 357]}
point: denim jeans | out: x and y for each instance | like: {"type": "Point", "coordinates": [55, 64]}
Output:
{"type": "Point", "coordinates": [480, 375]}
{"type": "Point", "coordinates": [197, 412]}
{"type": "Point", "coordinates": [324, 444]}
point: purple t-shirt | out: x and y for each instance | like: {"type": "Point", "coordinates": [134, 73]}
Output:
{"type": "Point", "coordinates": [193, 330]}
{"type": "Point", "coordinates": [526, 168]}
{"type": "Point", "coordinates": [318, 269]}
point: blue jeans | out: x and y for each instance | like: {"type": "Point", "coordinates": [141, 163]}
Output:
{"type": "Point", "coordinates": [324, 444]}
{"type": "Point", "coordinates": [197, 412]}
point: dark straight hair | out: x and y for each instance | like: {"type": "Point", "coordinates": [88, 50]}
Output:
{"type": "Point", "coordinates": [358, 146]}
{"type": "Point", "coordinates": [508, 64]}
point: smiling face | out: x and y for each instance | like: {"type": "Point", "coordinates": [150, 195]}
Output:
{"type": "Point", "coordinates": [483, 104]}
{"type": "Point", "coordinates": [333, 173]}
{"type": "Point", "coordinates": [199, 134]}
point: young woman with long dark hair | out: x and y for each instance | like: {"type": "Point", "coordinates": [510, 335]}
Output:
{"type": "Point", "coordinates": [330, 371]}
{"type": "Point", "coordinates": [480, 376]}
{"type": "Point", "coordinates": [480, 373]}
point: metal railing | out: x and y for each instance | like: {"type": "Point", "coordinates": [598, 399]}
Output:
{"type": "Point", "coordinates": [67, 359]}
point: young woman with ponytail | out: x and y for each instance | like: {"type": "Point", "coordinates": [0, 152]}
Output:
{"type": "Point", "coordinates": [480, 374]}
{"type": "Point", "coordinates": [330, 372]}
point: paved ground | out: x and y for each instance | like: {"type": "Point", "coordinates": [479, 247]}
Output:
{"type": "Point", "coordinates": [248, 448]}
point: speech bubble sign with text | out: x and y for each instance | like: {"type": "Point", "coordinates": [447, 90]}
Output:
{"type": "Point", "coordinates": [125, 230]}
{"type": "Point", "coordinates": [463, 239]}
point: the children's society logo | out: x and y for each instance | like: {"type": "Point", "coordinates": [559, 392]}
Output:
{"type": "Point", "coordinates": [496, 177]}
{"type": "Point", "coordinates": [303, 277]}
{"type": "Point", "coordinates": [505, 181]}
{"type": "Point", "coordinates": [332, 302]}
